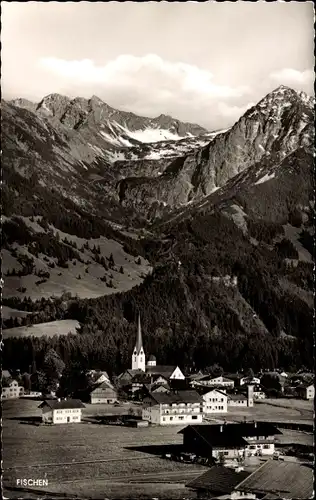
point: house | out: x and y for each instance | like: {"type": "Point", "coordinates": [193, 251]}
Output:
{"type": "Point", "coordinates": [241, 399]}
{"type": "Point", "coordinates": [103, 393]}
{"type": "Point", "coordinates": [98, 376]}
{"type": "Point", "coordinates": [61, 411]}
{"type": "Point", "coordinates": [230, 440]}
{"type": "Point", "coordinates": [126, 377]}
{"type": "Point", "coordinates": [214, 401]}
{"type": "Point", "coordinates": [279, 480]}
{"type": "Point", "coordinates": [306, 391]}
{"type": "Point", "coordinates": [6, 374]}
{"type": "Point", "coordinates": [11, 389]}
{"type": "Point", "coordinates": [173, 408]}
{"type": "Point", "coordinates": [213, 441]}
{"type": "Point", "coordinates": [258, 392]}
{"type": "Point", "coordinates": [216, 482]}
{"type": "Point", "coordinates": [209, 381]}
{"type": "Point", "coordinates": [249, 381]}
{"type": "Point", "coordinates": [237, 400]}
{"type": "Point", "coordinates": [168, 372]}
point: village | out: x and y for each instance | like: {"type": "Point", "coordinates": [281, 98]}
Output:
{"type": "Point", "coordinates": [236, 435]}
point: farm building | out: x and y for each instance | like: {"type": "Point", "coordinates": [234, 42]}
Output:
{"type": "Point", "coordinates": [230, 440]}
{"type": "Point", "coordinates": [214, 401]}
{"type": "Point", "coordinates": [11, 389]}
{"type": "Point", "coordinates": [237, 400]}
{"type": "Point", "coordinates": [210, 381]}
{"type": "Point", "coordinates": [216, 482]}
{"type": "Point", "coordinates": [103, 393]}
{"type": "Point", "coordinates": [278, 480]}
{"type": "Point", "coordinates": [173, 408]}
{"type": "Point", "coordinates": [61, 412]}
{"type": "Point", "coordinates": [306, 391]}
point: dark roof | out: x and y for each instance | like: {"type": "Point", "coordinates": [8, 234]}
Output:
{"type": "Point", "coordinates": [284, 479]}
{"type": "Point", "coordinates": [218, 479]}
{"type": "Point", "coordinates": [232, 433]}
{"type": "Point", "coordinates": [177, 397]}
{"type": "Point", "coordinates": [304, 386]}
{"type": "Point", "coordinates": [65, 404]}
{"type": "Point", "coordinates": [163, 370]}
{"type": "Point", "coordinates": [202, 389]}
{"type": "Point", "coordinates": [131, 373]}
{"type": "Point", "coordinates": [152, 358]}
{"type": "Point", "coordinates": [211, 435]}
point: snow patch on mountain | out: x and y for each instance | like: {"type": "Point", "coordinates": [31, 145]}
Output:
{"type": "Point", "coordinates": [265, 178]}
{"type": "Point", "coordinates": [154, 135]}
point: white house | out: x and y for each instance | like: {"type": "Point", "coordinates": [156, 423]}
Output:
{"type": "Point", "coordinates": [11, 389]}
{"type": "Point", "coordinates": [237, 400]}
{"type": "Point", "coordinates": [214, 401]}
{"type": "Point", "coordinates": [306, 391]}
{"type": "Point", "coordinates": [61, 412]}
{"type": "Point", "coordinates": [209, 381]}
{"type": "Point", "coordinates": [173, 408]}
{"type": "Point", "coordinates": [249, 381]}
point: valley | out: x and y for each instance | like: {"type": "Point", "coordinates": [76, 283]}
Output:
{"type": "Point", "coordinates": [113, 213]}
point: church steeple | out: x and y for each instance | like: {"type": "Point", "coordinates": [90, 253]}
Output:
{"type": "Point", "coordinates": [139, 340]}
{"type": "Point", "coordinates": [138, 357]}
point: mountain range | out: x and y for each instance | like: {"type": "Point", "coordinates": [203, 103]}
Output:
{"type": "Point", "coordinates": [208, 233]}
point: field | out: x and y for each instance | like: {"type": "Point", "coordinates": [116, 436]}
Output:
{"type": "Point", "coordinates": [93, 460]}
{"type": "Point", "coordinates": [295, 410]}
{"type": "Point", "coordinates": [90, 460]}
{"type": "Point", "coordinates": [61, 327]}
{"type": "Point", "coordinates": [79, 278]}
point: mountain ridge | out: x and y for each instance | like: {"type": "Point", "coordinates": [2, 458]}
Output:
{"type": "Point", "coordinates": [216, 215]}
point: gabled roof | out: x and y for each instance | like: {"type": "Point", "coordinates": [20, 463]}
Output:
{"type": "Point", "coordinates": [164, 370]}
{"type": "Point", "coordinates": [176, 397]}
{"type": "Point", "coordinates": [6, 374]}
{"type": "Point", "coordinates": [243, 430]}
{"type": "Point", "coordinates": [131, 373]}
{"type": "Point", "coordinates": [65, 404]}
{"type": "Point", "coordinates": [218, 479]}
{"type": "Point", "coordinates": [104, 387]}
{"type": "Point", "coordinates": [305, 386]}
{"type": "Point", "coordinates": [202, 389]}
{"type": "Point", "coordinates": [286, 480]}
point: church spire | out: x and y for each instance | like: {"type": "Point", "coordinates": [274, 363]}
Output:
{"type": "Point", "coordinates": [139, 340]}
{"type": "Point", "coordinates": [138, 357]}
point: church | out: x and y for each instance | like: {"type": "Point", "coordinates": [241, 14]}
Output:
{"type": "Point", "coordinates": [139, 365]}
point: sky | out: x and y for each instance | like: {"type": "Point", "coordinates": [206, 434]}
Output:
{"type": "Point", "coordinates": [199, 62]}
